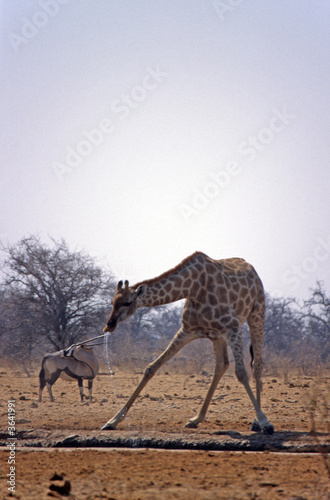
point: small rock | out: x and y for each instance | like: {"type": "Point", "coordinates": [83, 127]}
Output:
{"type": "Point", "coordinates": [23, 421]}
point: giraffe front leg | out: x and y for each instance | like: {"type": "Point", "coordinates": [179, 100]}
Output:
{"type": "Point", "coordinates": [179, 341]}
{"type": "Point", "coordinates": [221, 365]}
{"type": "Point", "coordinates": [114, 421]}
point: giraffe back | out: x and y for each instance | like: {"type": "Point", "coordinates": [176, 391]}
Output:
{"type": "Point", "coordinates": [222, 291]}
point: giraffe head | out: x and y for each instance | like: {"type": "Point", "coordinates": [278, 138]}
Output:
{"type": "Point", "coordinates": [125, 303]}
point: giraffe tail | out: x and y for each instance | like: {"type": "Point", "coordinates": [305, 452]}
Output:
{"type": "Point", "coordinates": [252, 355]}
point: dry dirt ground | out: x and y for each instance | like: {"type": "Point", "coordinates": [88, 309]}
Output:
{"type": "Point", "coordinates": [62, 453]}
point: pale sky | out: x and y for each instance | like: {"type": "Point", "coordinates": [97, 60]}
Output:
{"type": "Point", "coordinates": [141, 131]}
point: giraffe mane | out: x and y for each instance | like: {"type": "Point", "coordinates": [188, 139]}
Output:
{"type": "Point", "coordinates": [169, 272]}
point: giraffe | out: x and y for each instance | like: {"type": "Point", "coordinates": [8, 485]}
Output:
{"type": "Point", "coordinates": [220, 295]}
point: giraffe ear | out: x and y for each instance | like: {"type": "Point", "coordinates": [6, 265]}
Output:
{"type": "Point", "coordinates": [140, 290]}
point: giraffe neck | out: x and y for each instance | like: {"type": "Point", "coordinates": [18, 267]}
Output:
{"type": "Point", "coordinates": [170, 288]}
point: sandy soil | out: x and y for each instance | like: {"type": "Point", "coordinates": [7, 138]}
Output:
{"type": "Point", "coordinates": [103, 470]}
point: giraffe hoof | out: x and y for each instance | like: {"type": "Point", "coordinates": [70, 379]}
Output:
{"type": "Point", "coordinates": [108, 427]}
{"type": "Point", "coordinates": [255, 427]}
{"type": "Point", "coordinates": [268, 430]}
{"type": "Point", "coordinates": [191, 425]}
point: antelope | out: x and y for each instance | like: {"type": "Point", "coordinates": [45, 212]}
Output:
{"type": "Point", "coordinates": [78, 362]}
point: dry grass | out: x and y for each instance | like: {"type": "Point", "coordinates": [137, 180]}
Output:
{"type": "Point", "coordinates": [319, 404]}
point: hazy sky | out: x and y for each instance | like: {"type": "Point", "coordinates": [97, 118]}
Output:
{"type": "Point", "coordinates": [142, 131]}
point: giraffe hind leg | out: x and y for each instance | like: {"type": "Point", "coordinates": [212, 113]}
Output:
{"type": "Point", "coordinates": [256, 366]}
{"type": "Point", "coordinates": [221, 365]}
{"type": "Point", "coordinates": [256, 328]}
{"type": "Point", "coordinates": [236, 344]}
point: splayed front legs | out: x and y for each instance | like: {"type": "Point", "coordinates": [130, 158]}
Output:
{"type": "Point", "coordinates": [221, 364]}
{"type": "Point", "coordinates": [179, 341]}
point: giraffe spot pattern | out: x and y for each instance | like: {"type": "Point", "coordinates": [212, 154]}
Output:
{"type": "Point", "coordinates": [212, 299]}
{"type": "Point", "coordinates": [220, 296]}
{"type": "Point", "coordinates": [218, 293]}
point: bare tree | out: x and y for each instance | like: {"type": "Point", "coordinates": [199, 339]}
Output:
{"type": "Point", "coordinates": [283, 327]}
{"type": "Point", "coordinates": [58, 295]}
{"type": "Point", "coordinates": [316, 311]}
{"type": "Point", "coordinates": [17, 333]}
